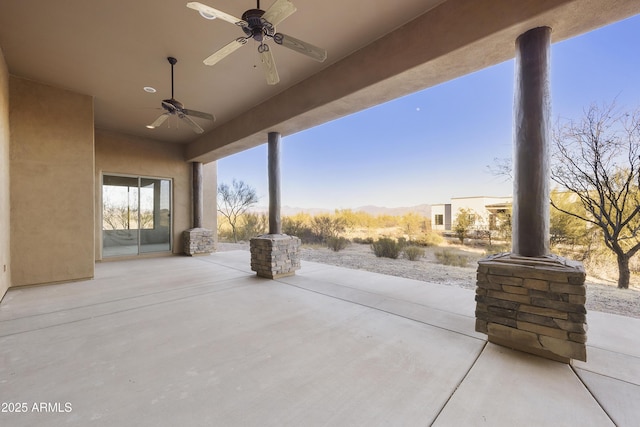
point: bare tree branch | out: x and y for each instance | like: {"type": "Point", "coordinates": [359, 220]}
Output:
{"type": "Point", "coordinates": [235, 200]}
{"type": "Point", "coordinates": [597, 159]}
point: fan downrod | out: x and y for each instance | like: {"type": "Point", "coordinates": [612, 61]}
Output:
{"type": "Point", "coordinates": [173, 62]}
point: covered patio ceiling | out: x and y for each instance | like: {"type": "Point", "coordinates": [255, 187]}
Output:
{"type": "Point", "coordinates": [377, 51]}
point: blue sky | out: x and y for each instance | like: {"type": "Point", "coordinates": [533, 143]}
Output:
{"type": "Point", "coordinates": [436, 144]}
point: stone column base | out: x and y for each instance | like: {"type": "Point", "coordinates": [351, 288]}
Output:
{"type": "Point", "coordinates": [198, 241]}
{"type": "Point", "coordinates": [275, 255]}
{"type": "Point", "coordinates": [533, 304]}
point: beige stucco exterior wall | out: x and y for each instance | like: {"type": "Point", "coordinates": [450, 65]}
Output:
{"type": "Point", "coordinates": [5, 249]}
{"type": "Point", "coordinates": [477, 205]}
{"type": "Point", "coordinates": [123, 154]}
{"type": "Point", "coordinates": [51, 184]}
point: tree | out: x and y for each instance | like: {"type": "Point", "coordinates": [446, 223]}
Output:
{"type": "Point", "coordinates": [412, 224]}
{"type": "Point", "coordinates": [296, 225]}
{"type": "Point", "coordinates": [504, 225]}
{"type": "Point", "coordinates": [465, 219]}
{"type": "Point", "coordinates": [483, 229]}
{"type": "Point", "coordinates": [598, 160]}
{"type": "Point", "coordinates": [234, 200]}
{"type": "Point", "coordinates": [325, 226]}
{"type": "Point", "coordinates": [253, 224]}
{"type": "Point", "coordinates": [567, 229]}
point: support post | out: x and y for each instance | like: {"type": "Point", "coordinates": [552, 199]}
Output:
{"type": "Point", "coordinates": [275, 224]}
{"type": "Point", "coordinates": [530, 300]}
{"type": "Point", "coordinates": [198, 240]}
{"type": "Point", "coordinates": [532, 106]}
{"type": "Point", "coordinates": [275, 254]}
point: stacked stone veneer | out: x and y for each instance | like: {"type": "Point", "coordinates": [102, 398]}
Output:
{"type": "Point", "coordinates": [535, 305]}
{"type": "Point", "coordinates": [198, 241]}
{"type": "Point", "coordinates": [275, 255]}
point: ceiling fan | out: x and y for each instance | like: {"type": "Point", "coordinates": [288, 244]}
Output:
{"type": "Point", "coordinates": [260, 25]}
{"type": "Point", "coordinates": [174, 107]}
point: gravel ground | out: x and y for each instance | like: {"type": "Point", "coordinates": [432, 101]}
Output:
{"type": "Point", "coordinates": [601, 295]}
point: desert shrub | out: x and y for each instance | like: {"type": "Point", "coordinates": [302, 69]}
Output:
{"type": "Point", "coordinates": [449, 257]}
{"type": "Point", "coordinates": [337, 243]}
{"type": "Point", "coordinates": [599, 262]}
{"type": "Point", "coordinates": [412, 253]}
{"type": "Point", "coordinates": [307, 236]}
{"type": "Point", "coordinates": [252, 225]}
{"type": "Point", "coordinates": [497, 248]}
{"type": "Point", "coordinates": [299, 228]}
{"type": "Point", "coordinates": [363, 241]}
{"type": "Point", "coordinates": [386, 247]}
{"type": "Point", "coordinates": [429, 239]}
{"type": "Point", "coordinates": [326, 226]}
{"type": "Point", "coordinates": [634, 264]}
{"type": "Point", "coordinates": [225, 235]}
{"type": "Point", "coordinates": [293, 226]}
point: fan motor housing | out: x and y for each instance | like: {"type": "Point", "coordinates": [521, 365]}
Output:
{"type": "Point", "coordinates": [256, 28]}
{"type": "Point", "coordinates": [171, 105]}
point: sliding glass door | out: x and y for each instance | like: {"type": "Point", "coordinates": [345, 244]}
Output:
{"type": "Point", "coordinates": [136, 215]}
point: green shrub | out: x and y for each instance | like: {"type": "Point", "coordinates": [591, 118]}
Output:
{"type": "Point", "coordinates": [293, 227]}
{"type": "Point", "coordinates": [252, 225]}
{"type": "Point", "coordinates": [326, 226]}
{"type": "Point", "coordinates": [496, 249]}
{"type": "Point", "coordinates": [449, 257]}
{"type": "Point", "coordinates": [225, 236]}
{"type": "Point", "coordinates": [428, 239]}
{"type": "Point", "coordinates": [386, 247]}
{"type": "Point", "coordinates": [412, 253]}
{"type": "Point", "coordinates": [337, 243]}
{"type": "Point", "coordinates": [301, 230]}
{"type": "Point", "coordinates": [363, 241]}
{"type": "Point", "coordinates": [307, 236]}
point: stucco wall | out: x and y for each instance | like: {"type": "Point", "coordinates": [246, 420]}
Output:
{"type": "Point", "coordinates": [123, 154]}
{"type": "Point", "coordinates": [445, 211]}
{"type": "Point", "coordinates": [51, 183]}
{"type": "Point", "coordinates": [5, 272]}
{"type": "Point", "coordinates": [477, 205]}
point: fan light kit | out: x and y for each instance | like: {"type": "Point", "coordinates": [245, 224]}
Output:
{"type": "Point", "coordinates": [205, 15]}
{"type": "Point", "coordinates": [175, 108]}
{"type": "Point", "coordinates": [260, 26]}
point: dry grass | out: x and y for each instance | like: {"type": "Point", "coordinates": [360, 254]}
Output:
{"type": "Point", "coordinates": [602, 295]}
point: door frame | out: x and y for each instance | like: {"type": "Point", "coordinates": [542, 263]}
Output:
{"type": "Point", "coordinates": [100, 227]}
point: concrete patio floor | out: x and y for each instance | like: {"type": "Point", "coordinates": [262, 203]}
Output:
{"type": "Point", "coordinates": [204, 342]}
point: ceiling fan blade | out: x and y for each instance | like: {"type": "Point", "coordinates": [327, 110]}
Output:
{"type": "Point", "coordinates": [199, 114]}
{"type": "Point", "coordinates": [160, 120]}
{"type": "Point", "coordinates": [225, 51]}
{"type": "Point", "coordinates": [207, 11]}
{"type": "Point", "coordinates": [193, 125]}
{"type": "Point", "coordinates": [313, 52]}
{"type": "Point", "coordinates": [279, 11]}
{"type": "Point", "coordinates": [269, 66]}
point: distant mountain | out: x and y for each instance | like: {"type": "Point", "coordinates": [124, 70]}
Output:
{"type": "Point", "coordinates": [424, 210]}
{"type": "Point", "coordinates": [289, 211]}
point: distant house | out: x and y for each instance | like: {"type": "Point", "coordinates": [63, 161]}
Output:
{"type": "Point", "coordinates": [485, 211]}
{"type": "Point", "coordinates": [441, 217]}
